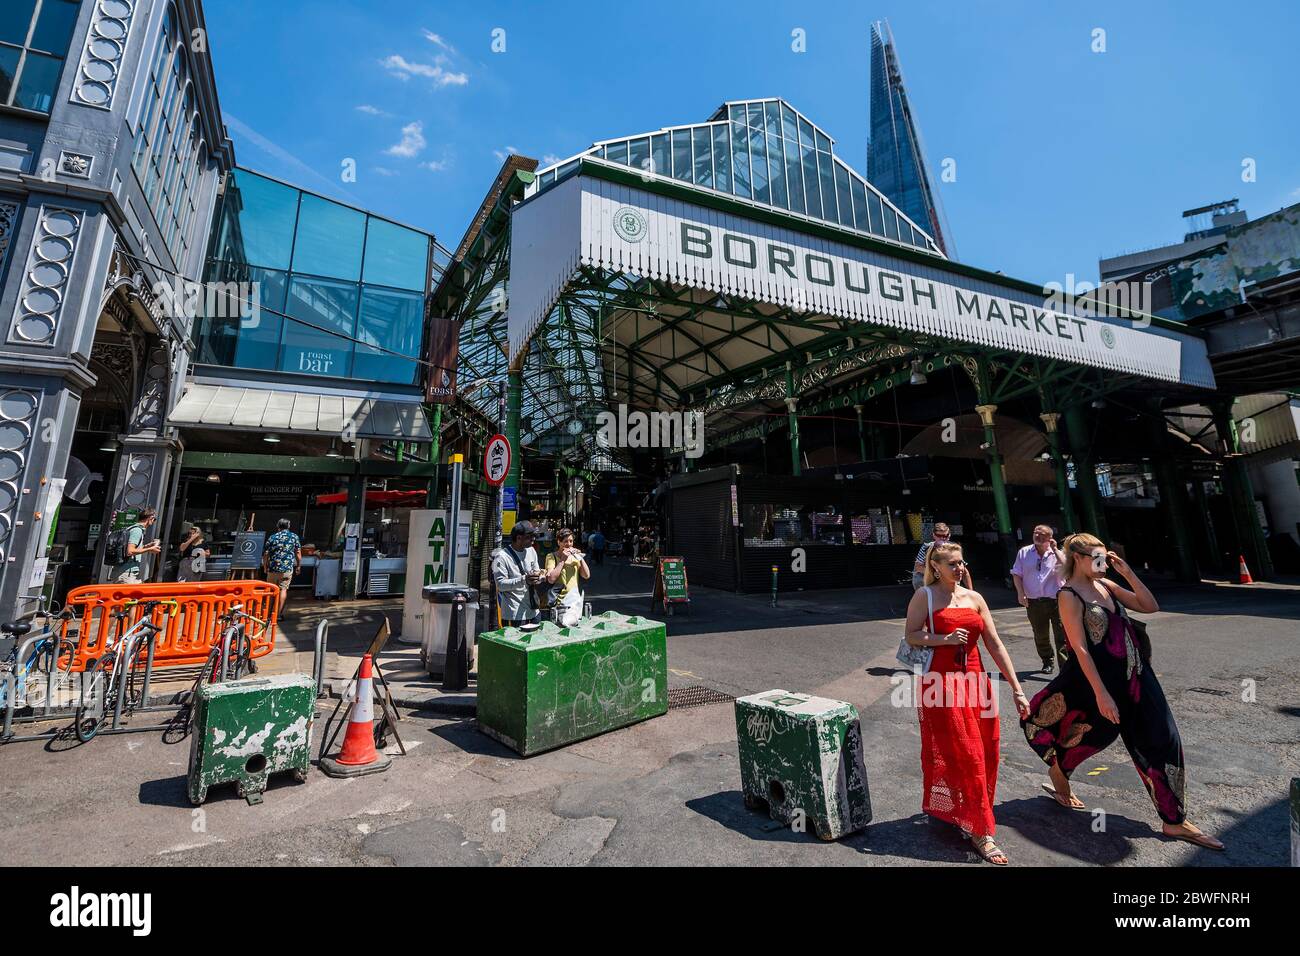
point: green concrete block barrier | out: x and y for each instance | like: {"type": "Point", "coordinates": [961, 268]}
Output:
{"type": "Point", "coordinates": [801, 761]}
{"type": "Point", "coordinates": [245, 730]}
{"type": "Point", "coordinates": [1295, 821]}
{"type": "Point", "coordinates": [542, 690]}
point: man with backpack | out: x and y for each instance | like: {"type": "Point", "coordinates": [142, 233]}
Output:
{"type": "Point", "coordinates": [126, 545]}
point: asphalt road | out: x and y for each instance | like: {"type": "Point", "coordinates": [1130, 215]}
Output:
{"type": "Point", "coordinates": [667, 791]}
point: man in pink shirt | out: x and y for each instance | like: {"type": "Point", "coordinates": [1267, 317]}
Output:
{"type": "Point", "coordinates": [1036, 576]}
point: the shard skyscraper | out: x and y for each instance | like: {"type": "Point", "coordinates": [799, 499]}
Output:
{"type": "Point", "coordinates": [895, 153]}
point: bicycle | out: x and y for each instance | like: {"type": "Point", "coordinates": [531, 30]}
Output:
{"type": "Point", "coordinates": [110, 679]}
{"type": "Point", "coordinates": [42, 654]}
{"type": "Point", "coordinates": [232, 656]}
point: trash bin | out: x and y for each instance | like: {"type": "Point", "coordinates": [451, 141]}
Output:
{"type": "Point", "coordinates": [437, 622]}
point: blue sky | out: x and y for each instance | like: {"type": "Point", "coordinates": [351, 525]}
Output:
{"type": "Point", "coordinates": [1062, 154]}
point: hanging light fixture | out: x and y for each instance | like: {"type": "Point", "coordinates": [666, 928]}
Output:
{"type": "Point", "coordinates": [109, 445]}
{"type": "Point", "coordinates": [214, 478]}
{"type": "Point", "coordinates": [272, 438]}
{"type": "Point", "coordinates": [918, 376]}
{"type": "Point", "coordinates": [334, 449]}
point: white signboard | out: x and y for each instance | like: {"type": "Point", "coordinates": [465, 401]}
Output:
{"type": "Point", "coordinates": [588, 221]}
{"type": "Point", "coordinates": [427, 562]}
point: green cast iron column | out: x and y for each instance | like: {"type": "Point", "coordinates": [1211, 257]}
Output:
{"type": "Point", "coordinates": [1241, 493]}
{"type": "Point", "coordinates": [795, 465]}
{"type": "Point", "coordinates": [862, 441]}
{"type": "Point", "coordinates": [1000, 501]}
{"type": "Point", "coordinates": [1052, 420]}
{"type": "Point", "coordinates": [355, 514]}
{"type": "Point", "coordinates": [1085, 474]}
{"type": "Point", "coordinates": [1172, 494]}
{"type": "Point", "coordinates": [1002, 505]}
{"type": "Point", "coordinates": [514, 399]}
{"type": "Point", "coordinates": [435, 449]}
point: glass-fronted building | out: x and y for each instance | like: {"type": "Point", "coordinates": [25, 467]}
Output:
{"type": "Point", "coordinates": [895, 153]}
{"type": "Point", "coordinates": [341, 291]}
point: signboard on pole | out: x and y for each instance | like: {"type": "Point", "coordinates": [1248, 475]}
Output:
{"type": "Point", "coordinates": [496, 460]}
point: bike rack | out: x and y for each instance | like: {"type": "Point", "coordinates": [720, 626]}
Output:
{"type": "Point", "coordinates": [318, 658]}
{"type": "Point", "coordinates": [50, 713]}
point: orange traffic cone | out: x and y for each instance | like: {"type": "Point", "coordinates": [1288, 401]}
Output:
{"type": "Point", "coordinates": [359, 755]}
{"type": "Point", "coordinates": [1243, 572]}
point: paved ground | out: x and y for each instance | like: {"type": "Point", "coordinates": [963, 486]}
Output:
{"type": "Point", "coordinates": [667, 791]}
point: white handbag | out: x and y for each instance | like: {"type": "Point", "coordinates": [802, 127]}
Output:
{"type": "Point", "coordinates": [911, 656]}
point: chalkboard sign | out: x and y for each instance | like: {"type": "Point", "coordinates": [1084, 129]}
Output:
{"type": "Point", "coordinates": [670, 584]}
{"type": "Point", "coordinates": [248, 550]}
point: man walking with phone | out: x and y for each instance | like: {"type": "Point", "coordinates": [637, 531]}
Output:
{"type": "Point", "coordinates": [1035, 573]}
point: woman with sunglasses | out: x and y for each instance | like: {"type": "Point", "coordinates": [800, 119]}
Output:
{"type": "Point", "coordinates": [1106, 690]}
{"type": "Point", "coordinates": [958, 705]}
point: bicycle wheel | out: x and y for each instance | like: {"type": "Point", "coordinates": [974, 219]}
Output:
{"type": "Point", "coordinates": [241, 656]}
{"type": "Point", "coordinates": [92, 712]}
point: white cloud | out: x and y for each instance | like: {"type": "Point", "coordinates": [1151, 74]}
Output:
{"type": "Point", "coordinates": [434, 165]}
{"type": "Point", "coordinates": [404, 69]}
{"type": "Point", "coordinates": [550, 159]}
{"type": "Point", "coordinates": [372, 110]}
{"type": "Point", "coordinates": [434, 38]}
{"type": "Point", "coordinates": [501, 154]}
{"type": "Point", "coordinates": [385, 171]}
{"type": "Point", "coordinates": [412, 142]}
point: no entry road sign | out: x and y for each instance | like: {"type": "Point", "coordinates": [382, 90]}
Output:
{"type": "Point", "coordinates": [496, 460]}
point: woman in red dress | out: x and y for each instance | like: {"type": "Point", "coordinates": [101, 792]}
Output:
{"type": "Point", "coordinates": [958, 703]}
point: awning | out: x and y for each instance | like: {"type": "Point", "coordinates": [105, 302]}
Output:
{"type": "Point", "coordinates": [589, 221]}
{"type": "Point", "coordinates": [391, 499]}
{"type": "Point", "coordinates": [300, 413]}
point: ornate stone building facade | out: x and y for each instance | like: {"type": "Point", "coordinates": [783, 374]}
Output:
{"type": "Point", "coordinates": [111, 156]}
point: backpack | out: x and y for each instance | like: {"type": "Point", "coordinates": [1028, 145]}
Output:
{"type": "Point", "coordinates": [115, 546]}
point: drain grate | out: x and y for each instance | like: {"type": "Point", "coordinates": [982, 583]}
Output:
{"type": "Point", "coordinates": [1207, 690]}
{"type": "Point", "coordinates": [695, 696]}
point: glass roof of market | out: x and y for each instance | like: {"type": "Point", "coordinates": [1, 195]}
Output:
{"type": "Point", "coordinates": [765, 152]}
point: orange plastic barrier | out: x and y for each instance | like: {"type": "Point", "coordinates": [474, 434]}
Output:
{"type": "Point", "coordinates": [189, 632]}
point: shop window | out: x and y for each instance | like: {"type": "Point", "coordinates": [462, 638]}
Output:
{"type": "Point", "coordinates": [872, 526]}
{"type": "Point", "coordinates": [329, 240]}
{"type": "Point", "coordinates": [393, 321]}
{"type": "Point", "coordinates": [396, 256]}
{"type": "Point", "coordinates": [779, 526]}
{"type": "Point", "coordinates": [321, 344]}
{"type": "Point", "coordinates": [258, 219]}
{"type": "Point", "coordinates": [34, 40]}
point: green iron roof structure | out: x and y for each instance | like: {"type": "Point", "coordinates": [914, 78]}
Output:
{"type": "Point", "coordinates": [590, 276]}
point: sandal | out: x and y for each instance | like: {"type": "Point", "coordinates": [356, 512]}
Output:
{"type": "Point", "coordinates": [1199, 838]}
{"type": "Point", "coordinates": [986, 848]}
{"type": "Point", "coordinates": [1074, 803]}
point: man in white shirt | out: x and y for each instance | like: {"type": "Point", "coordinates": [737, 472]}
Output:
{"type": "Point", "coordinates": [1036, 573]}
{"type": "Point", "coordinates": [515, 570]}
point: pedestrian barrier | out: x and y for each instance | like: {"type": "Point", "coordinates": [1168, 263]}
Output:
{"type": "Point", "coordinates": [188, 634]}
{"type": "Point", "coordinates": [542, 689]}
{"type": "Point", "coordinates": [245, 730]}
{"type": "Point", "coordinates": [801, 761]}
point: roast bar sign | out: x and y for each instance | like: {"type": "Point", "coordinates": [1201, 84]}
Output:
{"type": "Point", "coordinates": [661, 238]}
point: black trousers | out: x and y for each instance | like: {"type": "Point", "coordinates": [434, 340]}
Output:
{"type": "Point", "coordinates": [1045, 616]}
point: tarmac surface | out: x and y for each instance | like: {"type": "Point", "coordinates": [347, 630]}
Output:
{"type": "Point", "coordinates": [667, 791]}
